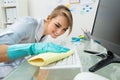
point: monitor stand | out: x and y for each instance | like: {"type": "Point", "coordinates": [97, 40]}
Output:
{"type": "Point", "coordinates": [110, 58]}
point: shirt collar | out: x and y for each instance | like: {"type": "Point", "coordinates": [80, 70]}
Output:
{"type": "Point", "coordinates": [39, 30]}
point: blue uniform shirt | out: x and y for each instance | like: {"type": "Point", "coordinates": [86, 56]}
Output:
{"type": "Point", "coordinates": [24, 30]}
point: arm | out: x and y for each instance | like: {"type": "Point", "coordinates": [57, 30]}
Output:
{"type": "Point", "coordinates": [12, 52]}
{"type": "Point", "coordinates": [21, 31]}
{"type": "Point", "coordinates": [3, 53]}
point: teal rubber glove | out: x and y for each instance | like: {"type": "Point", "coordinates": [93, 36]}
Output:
{"type": "Point", "coordinates": [22, 50]}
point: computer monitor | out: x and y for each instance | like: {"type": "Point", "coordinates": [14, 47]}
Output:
{"type": "Point", "coordinates": [106, 31]}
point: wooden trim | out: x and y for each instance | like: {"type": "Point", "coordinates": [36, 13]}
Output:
{"type": "Point", "coordinates": [42, 75]}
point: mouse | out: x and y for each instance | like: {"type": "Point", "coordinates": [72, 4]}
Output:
{"type": "Point", "coordinates": [89, 76]}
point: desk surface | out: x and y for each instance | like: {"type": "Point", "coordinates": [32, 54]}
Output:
{"type": "Point", "coordinates": [28, 72]}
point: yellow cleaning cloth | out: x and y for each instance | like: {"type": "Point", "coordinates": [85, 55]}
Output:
{"type": "Point", "coordinates": [47, 58]}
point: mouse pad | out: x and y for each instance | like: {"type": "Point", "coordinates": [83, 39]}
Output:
{"type": "Point", "coordinates": [47, 58]}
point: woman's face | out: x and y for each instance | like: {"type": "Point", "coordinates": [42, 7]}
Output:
{"type": "Point", "coordinates": [57, 26]}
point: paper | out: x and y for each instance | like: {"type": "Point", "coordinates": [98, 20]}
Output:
{"type": "Point", "coordinates": [47, 58]}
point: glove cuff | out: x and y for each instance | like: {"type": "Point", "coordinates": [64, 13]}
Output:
{"type": "Point", "coordinates": [19, 50]}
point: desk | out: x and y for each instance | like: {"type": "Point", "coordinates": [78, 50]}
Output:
{"type": "Point", "coordinates": [27, 72]}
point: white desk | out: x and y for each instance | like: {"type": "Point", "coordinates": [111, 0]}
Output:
{"type": "Point", "coordinates": [27, 72]}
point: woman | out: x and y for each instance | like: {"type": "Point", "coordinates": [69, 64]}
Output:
{"type": "Point", "coordinates": [28, 30]}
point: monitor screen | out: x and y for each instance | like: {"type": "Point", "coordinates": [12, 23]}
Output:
{"type": "Point", "coordinates": [106, 31]}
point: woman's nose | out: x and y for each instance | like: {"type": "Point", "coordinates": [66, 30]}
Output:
{"type": "Point", "coordinates": [59, 31]}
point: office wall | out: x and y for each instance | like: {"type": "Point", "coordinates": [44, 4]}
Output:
{"type": "Point", "coordinates": [81, 17]}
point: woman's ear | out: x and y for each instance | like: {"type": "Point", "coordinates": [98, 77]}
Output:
{"type": "Point", "coordinates": [48, 18]}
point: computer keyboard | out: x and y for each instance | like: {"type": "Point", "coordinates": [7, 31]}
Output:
{"type": "Point", "coordinates": [72, 61]}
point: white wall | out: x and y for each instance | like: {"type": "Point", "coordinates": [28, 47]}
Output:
{"type": "Point", "coordinates": [37, 8]}
{"type": "Point", "coordinates": [41, 8]}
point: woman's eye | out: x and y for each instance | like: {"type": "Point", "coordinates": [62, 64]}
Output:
{"type": "Point", "coordinates": [64, 29]}
{"type": "Point", "coordinates": [57, 26]}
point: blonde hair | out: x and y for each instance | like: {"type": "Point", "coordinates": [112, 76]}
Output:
{"type": "Point", "coordinates": [64, 11]}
